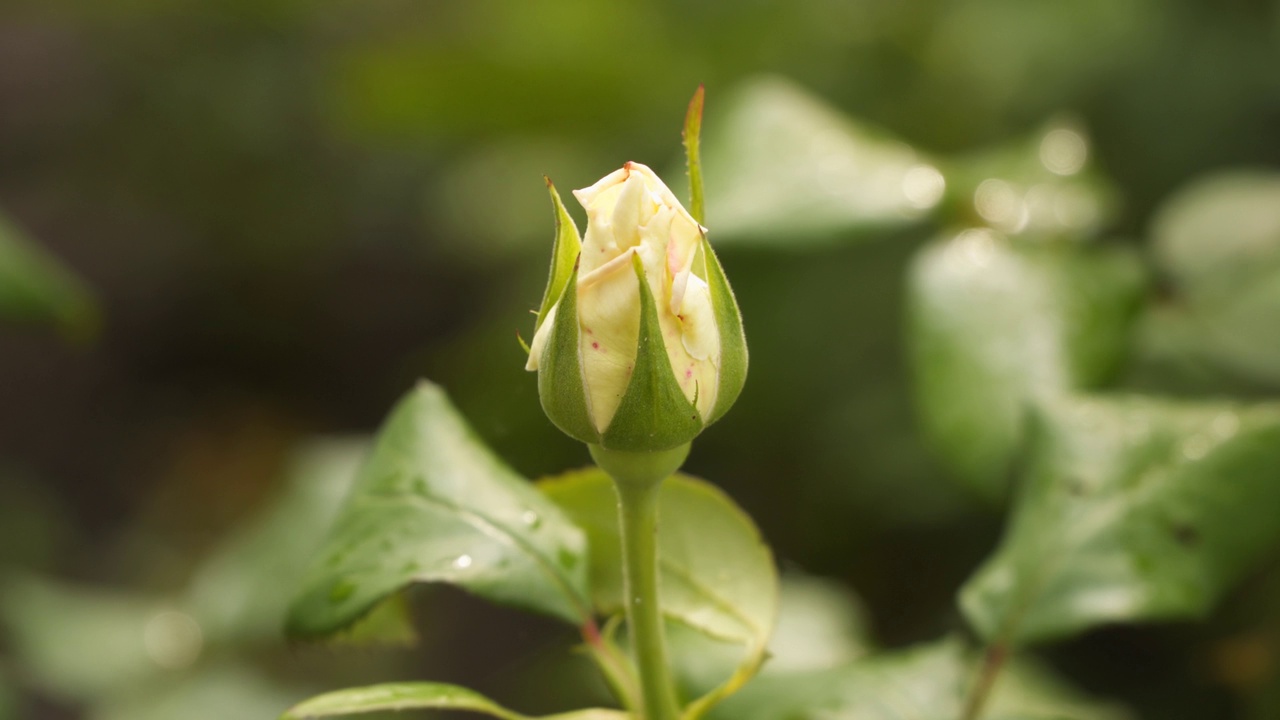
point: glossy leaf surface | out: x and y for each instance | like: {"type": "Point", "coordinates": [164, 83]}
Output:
{"type": "Point", "coordinates": [1039, 185]}
{"type": "Point", "coordinates": [432, 504]}
{"type": "Point", "coordinates": [786, 170]}
{"type": "Point", "coordinates": [242, 591]}
{"type": "Point", "coordinates": [1132, 509]}
{"type": "Point", "coordinates": [997, 323]}
{"type": "Point", "coordinates": [421, 695]}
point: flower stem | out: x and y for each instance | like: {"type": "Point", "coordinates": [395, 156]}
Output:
{"type": "Point", "coordinates": [638, 520]}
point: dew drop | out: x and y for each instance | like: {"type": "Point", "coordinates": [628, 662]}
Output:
{"type": "Point", "coordinates": [1001, 204]}
{"type": "Point", "coordinates": [1225, 425]}
{"type": "Point", "coordinates": [1064, 151]}
{"type": "Point", "coordinates": [173, 639]}
{"type": "Point", "coordinates": [923, 186]}
{"type": "Point", "coordinates": [462, 562]}
{"type": "Point", "coordinates": [530, 518]}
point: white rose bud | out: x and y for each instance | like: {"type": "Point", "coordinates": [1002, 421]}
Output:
{"type": "Point", "coordinates": [639, 342]}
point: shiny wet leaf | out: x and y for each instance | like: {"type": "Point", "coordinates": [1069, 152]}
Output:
{"type": "Point", "coordinates": [995, 323]}
{"type": "Point", "coordinates": [1132, 509]}
{"type": "Point", "coordinates": [432, 504]}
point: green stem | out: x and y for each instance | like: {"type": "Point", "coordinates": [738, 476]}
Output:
{"type": "Point", "coordinates": [992, 663]}
{"type": "Point", "coordinates": [638, 521]}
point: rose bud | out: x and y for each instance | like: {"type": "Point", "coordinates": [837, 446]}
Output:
{"type": "Point", "coordinates": [639, 342]}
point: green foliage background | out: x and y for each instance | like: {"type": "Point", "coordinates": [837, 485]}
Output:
{"type": "Point", "coordinates": [288, 212]}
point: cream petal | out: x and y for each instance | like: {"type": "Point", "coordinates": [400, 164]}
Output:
{"type": "Point", "coordinates": [694, 350]}
{"type": "Point", "coordinates": [609, 323]}
{"type": "Point", "coordinates": [684, 237]}
{"type": "Point", "coordinates": [632, 212]}
{"type": "Point", "coordinates": [588, 196]}
{"type": "Point", "coordinates": [701, 337]}
{"type": "Point", "coordinates": [598, 244]}
{"type": "Point", "coordinates": [654, 183]}
{"type": "Point", "coordinates": [627, 212]}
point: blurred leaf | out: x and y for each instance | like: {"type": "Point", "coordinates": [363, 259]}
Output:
{"type": "Point", "coordinates": [35, 288]}
{"type": "Point", "coordinates": [407, 696]}
{"type": "Point", "coordinates": [925, 682]}
{"type": "Point", "coordinates": [215, 693]}
{"type": "Point", "coordinates": [1220, 233]}
{"type": "Point", "coordinates": [1027, 690]}
{"type": "Point", "coordinates": [784, 169]}
{"type": "Point", "coordinates": [1132, 509]}
{"type": "Point", "coordinates": [716, 574]}
{"type": "Point", "coordinates": [996, 323]}
{"type": "Point", "coordinates": [820, 625]}
{"type": "Point", "coordinates": [433, 505]}
{"type": "Point", "coordinates": [1219, 240]}
{"type": "Point", "coordinates": [1042, 184]}
{"type": "Point", "coordinates": [61, 634]}
{"type": "Point", "coordinates": [922, 683]}
{"type": "Point", "coordinates": [243, 591]}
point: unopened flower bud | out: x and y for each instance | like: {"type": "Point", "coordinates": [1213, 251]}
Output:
{"type": "Point", "coordinates": [639, 342]}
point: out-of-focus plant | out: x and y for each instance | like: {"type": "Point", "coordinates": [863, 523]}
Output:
{"type": "Point", "coordinates": [1126, 507]}
{"type": "Point", "coordinates": [199, 652]}
{"type": "Point", "coordinates": [34, 288]}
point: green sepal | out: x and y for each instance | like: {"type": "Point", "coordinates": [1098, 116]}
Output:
{"type": "Point", "coordinates": [654, 413]}
{"type": "Point", "coordinates": [564, 255]}
{"type": "Point", "coordinates": [733, 343]}
{"type": "Point", "coordinates": [560, 384]}
{"type": "Point", "coordinates": [693, 155]}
